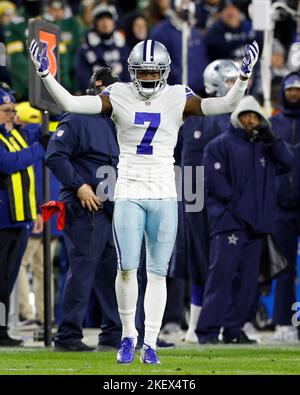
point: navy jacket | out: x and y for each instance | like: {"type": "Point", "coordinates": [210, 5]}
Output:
{"type": "Point", "coordinates": [80, 145]}
{"type": "Point", "coordinates": [11, 162]}
{"type": "Point", "coordinates": [226, 43]}
{"type": "Point", "coordinates": [171, 37]}
{"type": "Point", "coordinates": [240, 182]}
{"type": "Point", "coordinates": [95, 52]}
{"type": "Point", "coordinates": [205, 13]}
{"type": "Point", "coordinates": [286, 125]}
{"type": "Point", "coordinates": [197, 132]}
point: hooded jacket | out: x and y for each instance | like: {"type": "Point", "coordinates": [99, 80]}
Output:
{"type": "Point", "coordinates": [240, 177]}
{"type": "Point", "coordinates": [79, 147]}
{"type": "Point", "coordinates": [286, 126]}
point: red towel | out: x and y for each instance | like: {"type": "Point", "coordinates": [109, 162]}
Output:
{"type": "Point", "coordinates": [52, 207]}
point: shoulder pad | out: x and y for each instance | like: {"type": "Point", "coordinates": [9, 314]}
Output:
{"type": "Point", "coordinates": [93, 39]}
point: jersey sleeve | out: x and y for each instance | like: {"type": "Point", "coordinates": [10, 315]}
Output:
{"type": "Point", "coordinates": [107, 91]}
{"type": "Point", "coordinates": [189, 92]}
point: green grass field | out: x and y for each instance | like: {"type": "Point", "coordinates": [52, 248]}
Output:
{"type": "Point", "coordinates": [181, 361]}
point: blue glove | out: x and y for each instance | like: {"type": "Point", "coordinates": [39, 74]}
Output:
{"type": "Point", "coordinates": [39, 58]}
{"type": "Point", "coordinates": [250, 58]}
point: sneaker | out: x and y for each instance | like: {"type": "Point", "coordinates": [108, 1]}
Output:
{"type": "Point", "coordinates": [7, 341]}
{"type": "Point", "coordinates": [75, 347]}
{"type": "Point", "coordinates": [190, 337]}
{"type": "Point", "coordinates": [149, 356]}
{"type": "Point", "coordinates": [242, 338]}
{"type": "Point", "coordinates": [285, 333]}
{"type": "Point", "coordinates": [29, 325]}
{"type": "Point", "coordinates": [251, 331]}
{"type": "Point", "coordinates": [161, 343]}
{"type": "Point", "coordinates": [126, 350]}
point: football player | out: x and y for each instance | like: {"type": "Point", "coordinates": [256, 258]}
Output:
{"type": "Point", "coordinates": [148, 114]}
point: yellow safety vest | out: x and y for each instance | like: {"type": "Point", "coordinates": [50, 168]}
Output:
{"type": "Point", "coordinates": [53, 125]}
{"type": "Point", "coordinates": [21, 184]}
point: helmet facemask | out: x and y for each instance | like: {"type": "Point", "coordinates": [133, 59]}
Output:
{"type": "Point", "coordinates": [149, 87]}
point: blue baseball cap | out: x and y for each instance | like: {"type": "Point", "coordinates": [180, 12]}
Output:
{"type": "Point", "coordinates": [6, 97]}
{"type": "Point", "coordinates": [292, 81]}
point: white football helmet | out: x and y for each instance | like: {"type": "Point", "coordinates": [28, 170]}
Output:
{"type": "Point", "coordinates": [149, 55]}
{"type": "Point", "coordinates": [216, 75]}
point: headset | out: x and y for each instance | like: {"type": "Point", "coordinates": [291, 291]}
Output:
{"type": "Point", "coordinates": [103, 74]}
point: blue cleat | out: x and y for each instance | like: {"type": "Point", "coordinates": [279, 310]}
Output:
{"type": "Point", "coordinates": [126, 350]}
{"type": "Point", "coordinates": [149, 356]}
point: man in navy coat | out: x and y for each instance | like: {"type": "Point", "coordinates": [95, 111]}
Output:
{"type": "Point", "coordinates": [81, 146]}
{"type": "Point", "coordinates": [240, 190]}
{"type": "Point", "coordinates": [286, 125]}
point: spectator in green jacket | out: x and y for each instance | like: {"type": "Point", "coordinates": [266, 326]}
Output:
{"type": "Point", "coordinates": [16, 37]}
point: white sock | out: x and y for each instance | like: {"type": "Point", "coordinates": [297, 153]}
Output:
{"type": "Point", "coordinates": [127, 294]}
{"type": "Point", "coordinates": [154, 305]}
{"type": "Point", "coordinates": [194, 316]}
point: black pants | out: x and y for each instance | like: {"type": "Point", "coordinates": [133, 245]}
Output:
{"type": "Point", "coordinates": [231, 284]}
{"type": "Point", "coordinates": [93, 265]}
{"type": "Point", "coordinates": [13, 243]}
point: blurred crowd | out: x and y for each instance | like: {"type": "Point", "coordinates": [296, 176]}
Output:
{"type": "Point", "coordinates": [97, 34]}
{"type": "Point", "coordinates": [102, 33]}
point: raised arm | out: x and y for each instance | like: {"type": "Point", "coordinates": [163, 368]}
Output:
{"type": "Point", "coordinates": [67, 102]}
{"type": "Point", "coordinates": [221, 105]}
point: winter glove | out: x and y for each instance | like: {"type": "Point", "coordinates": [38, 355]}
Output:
{"type": "Point", "coordinates": [265, 134]}
{"type": "Point", "coordinates": [250, 58]}
{"type": "Point", "coordinates": [39, 58]}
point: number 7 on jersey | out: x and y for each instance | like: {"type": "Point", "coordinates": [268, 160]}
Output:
{"type": "Point", "coordinates": [145, 147]}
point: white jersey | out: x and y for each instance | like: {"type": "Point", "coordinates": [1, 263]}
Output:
{"type": "Point", "coordinates": [147, 134]}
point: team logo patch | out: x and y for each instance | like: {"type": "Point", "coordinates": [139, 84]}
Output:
{"type": "Point", "coordinates": [217, 166]}
{"type": "Point", "coordinates": [60, 133]}
{"type": "Point", "coordinates": [233, 239]}
{"type": "Point", "coordinates": [197, 134]}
